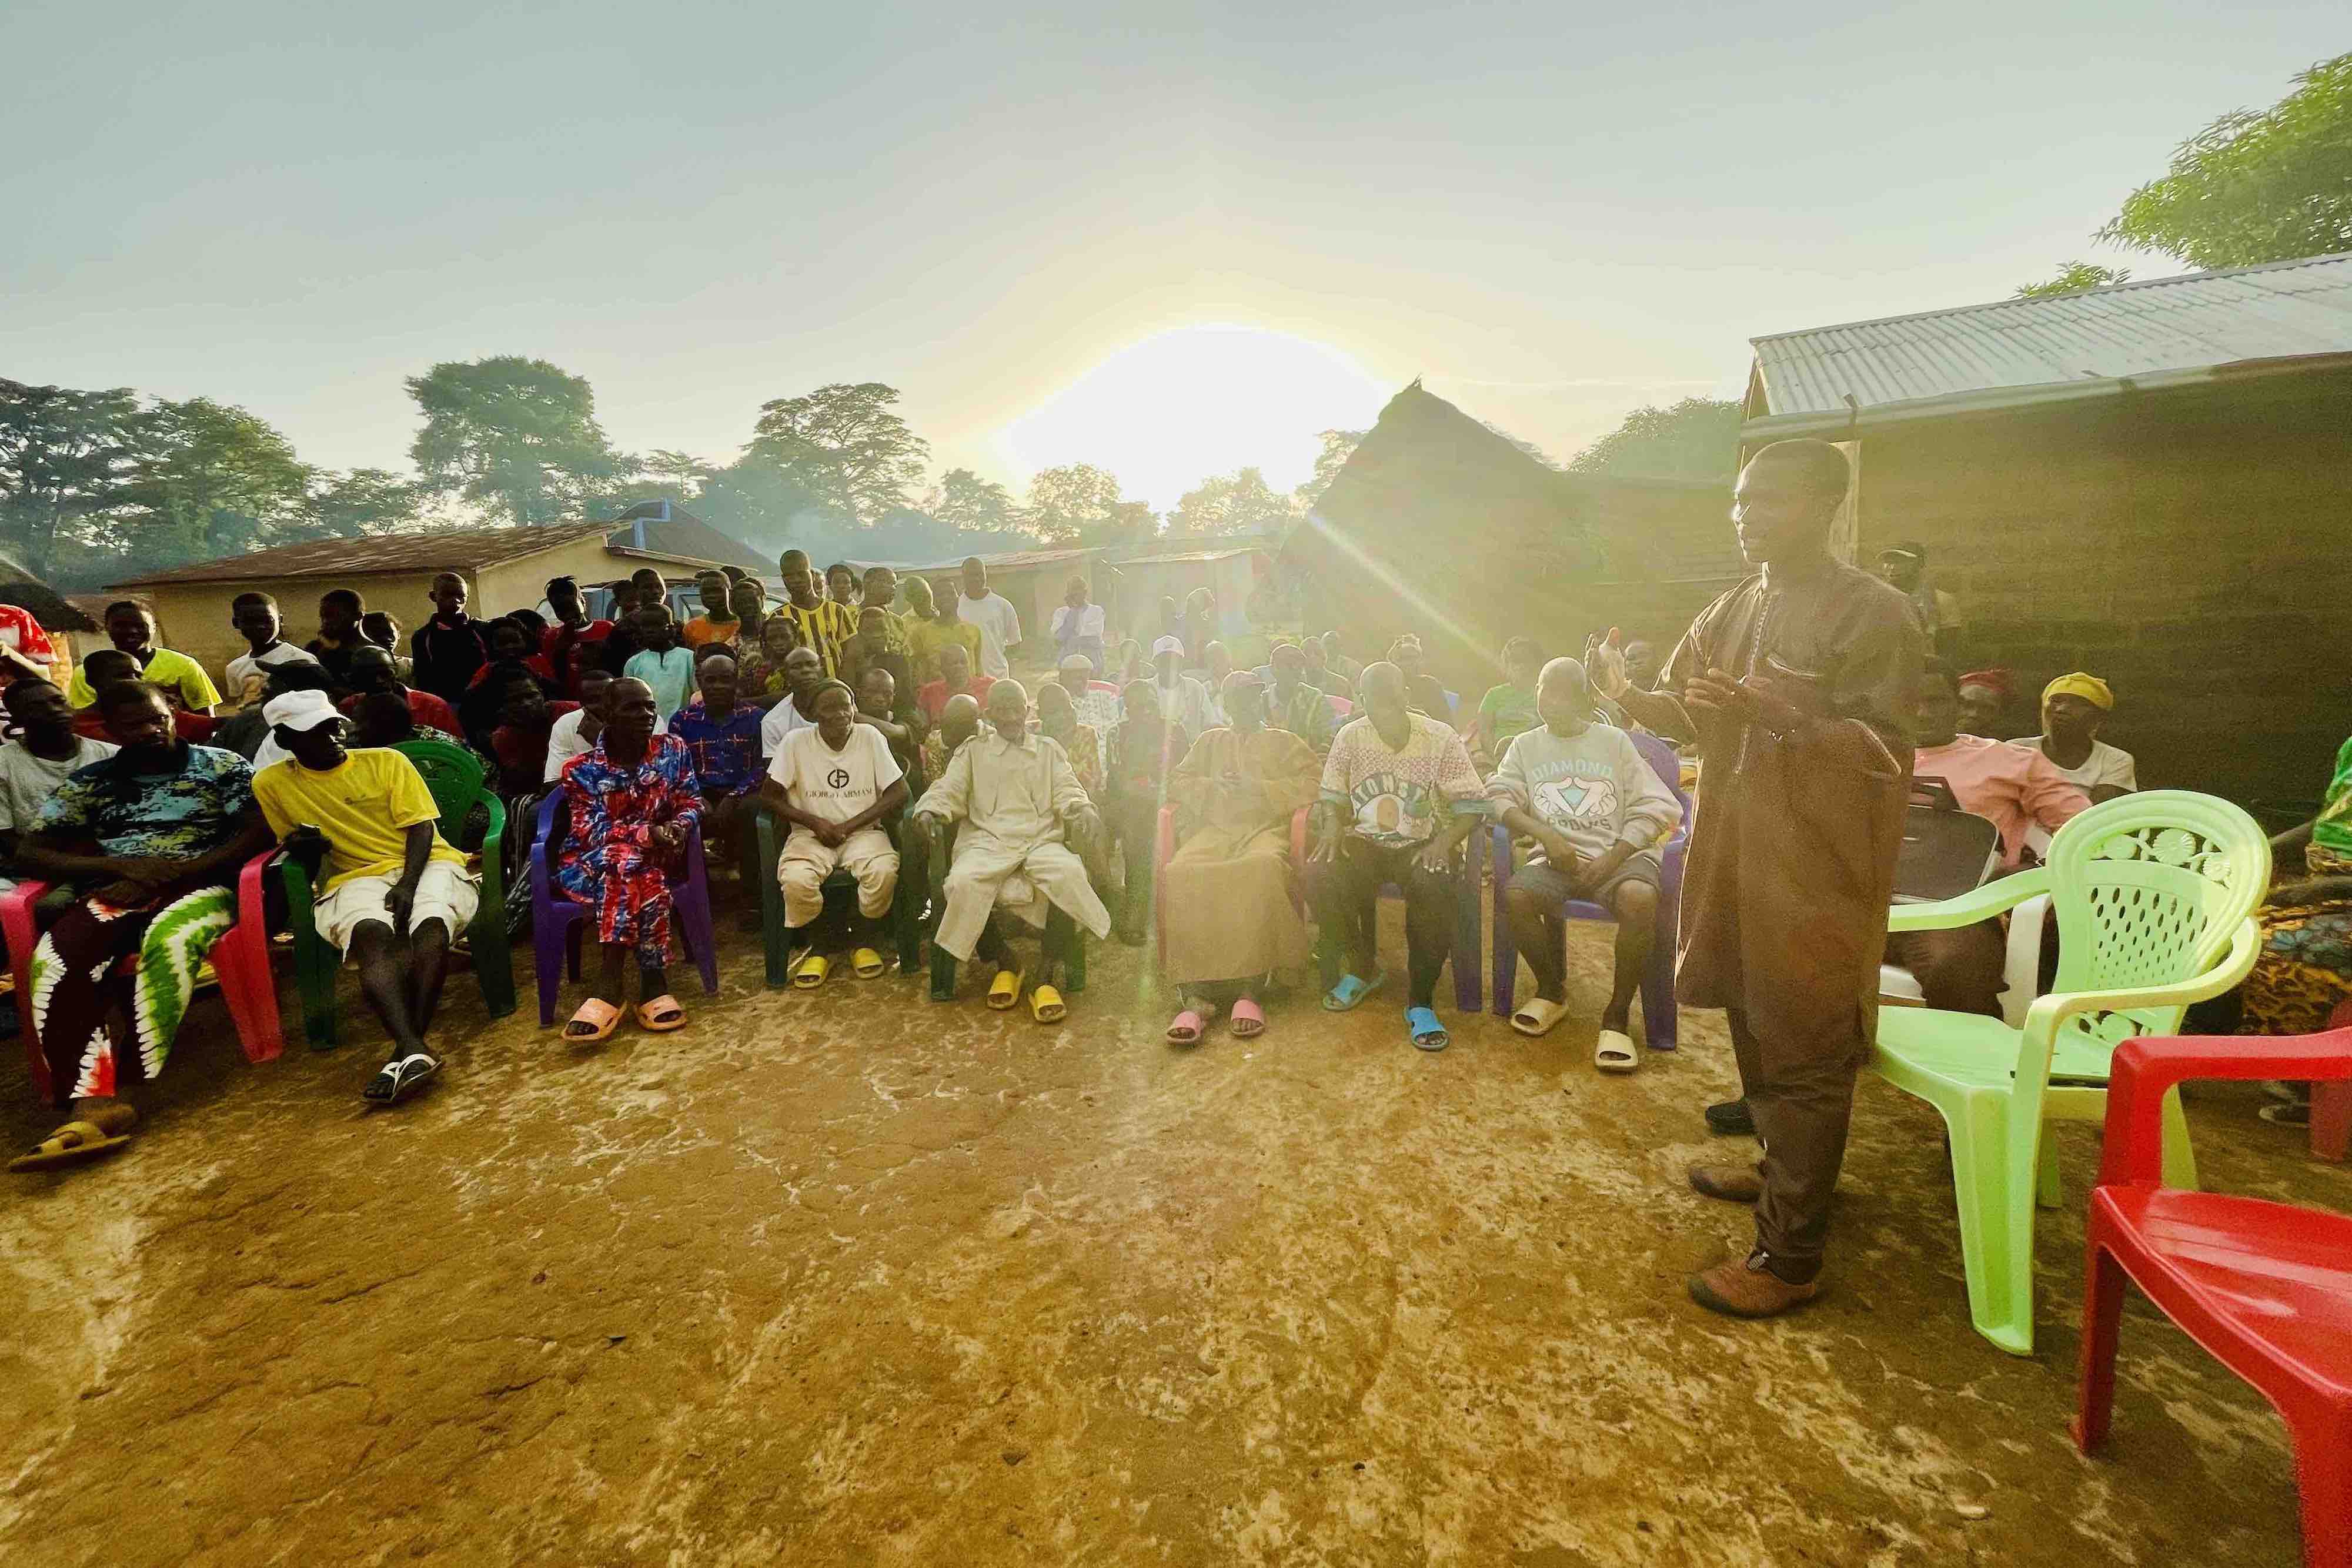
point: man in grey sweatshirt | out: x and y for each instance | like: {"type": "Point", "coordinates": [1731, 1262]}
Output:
{"type": "Point", "coordinates": [1595, 810]}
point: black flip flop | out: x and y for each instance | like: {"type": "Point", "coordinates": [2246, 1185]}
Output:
{"type": "Point", "coordinates": [398, 1079]}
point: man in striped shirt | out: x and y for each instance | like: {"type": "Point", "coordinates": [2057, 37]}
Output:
{"type": "Point", "coordinates": [823, 624]}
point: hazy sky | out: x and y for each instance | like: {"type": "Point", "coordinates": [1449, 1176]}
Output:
{"type": "Point", "coordinates": [1552, 212]}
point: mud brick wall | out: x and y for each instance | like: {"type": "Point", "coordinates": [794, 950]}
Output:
{"type": "Point", "coordinates": [2191, 548]}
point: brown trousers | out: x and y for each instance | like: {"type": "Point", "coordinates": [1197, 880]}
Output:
{"type": "Point", "coordinates": [1800, 1093]}
{"type": "Point", "coordinates": [1959, 970]}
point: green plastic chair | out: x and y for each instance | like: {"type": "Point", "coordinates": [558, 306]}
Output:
{"type": "Point", "coordinates": [454, 777]}
{"type": "Point", "coordinates": [777, 940]}
{"type": "Point", "coordinates": [2154, 895]}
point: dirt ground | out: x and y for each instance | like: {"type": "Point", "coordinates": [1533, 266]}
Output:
{"type": "Point", "coordinates": [851, 1278]}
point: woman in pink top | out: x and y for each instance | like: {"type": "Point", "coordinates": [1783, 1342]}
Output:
{"type": "Point", "coordinates": [2014, 787]}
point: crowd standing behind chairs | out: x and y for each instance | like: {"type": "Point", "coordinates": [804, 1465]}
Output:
{"type": "Point", "coordinates": [875, 722]}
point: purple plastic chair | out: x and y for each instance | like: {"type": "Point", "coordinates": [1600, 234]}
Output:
{"type": "Point", "coordinates": [1659, 1023]}
{"type": "Point", "coordinates": [555, 919]}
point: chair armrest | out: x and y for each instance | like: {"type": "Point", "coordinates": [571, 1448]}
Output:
{"type": "Point", "coordinates": [494, 817]}
{"type": "Point", "coordinates": [2022, 968]}
{"type": "Point", "coordinates": [2148, 1069]}
{"type": "Point", "coordinates": [1975, 904]}
{"type": "Point", "coordinates": [2047, 1013]}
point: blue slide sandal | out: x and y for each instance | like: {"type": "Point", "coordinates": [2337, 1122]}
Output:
{"type": "Point", "coordinates": [1428, 1034]}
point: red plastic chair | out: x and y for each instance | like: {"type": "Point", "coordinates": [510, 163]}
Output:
{"type": "Point", "coordinates": [2331, 1103]}
{"type": "Point", "coordinates": [240, 961]}
{"type": "Point", "coordinates": [2266, 1288]}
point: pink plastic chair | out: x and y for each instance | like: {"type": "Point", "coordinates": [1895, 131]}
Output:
{"type": "Point", "coordinates": [2266, 1288]}
{"type": "Point", "coordinates": [240, 961]}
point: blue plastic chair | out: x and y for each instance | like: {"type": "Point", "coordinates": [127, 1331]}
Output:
{"type": "Point", "coordinates": [555, 919]}
{"type": "Point", "coordinates": [1660, 1021]}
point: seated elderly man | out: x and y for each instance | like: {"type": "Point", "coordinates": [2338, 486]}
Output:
{"type": "Point", "coordinates": [1096, 700]}
{"type": "Point", "coordinates": [833, 784]}
{"type": "Point", "coordinates": [959, 723]}
{"type": "Point", "coordinates": [796, 710]}
{"type": "Point", "coordinates": [396, 894]}
{"type": "Point", "coordinates": [153, 836]}
{"type": "Point", "coordinates": [1018, 801]}
{"type": "Point", "coordinates": [1594, 807]}
{"type": "Point", "coordinates": [1398, 797]}
{"type": "Point", "coordinates": [1227, 904]}
{"type": "Point", "coordinates": [631, 801]}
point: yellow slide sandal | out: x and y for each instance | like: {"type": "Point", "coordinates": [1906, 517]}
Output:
{"type": "Point", "coordinates": [1046, 1006]}
{"type": "Point", "coordinates": [1004, 991]}
{"type": "Point", "coordinates": [867, 964]}
{"type": "Point", "coordinates": [811, 971]}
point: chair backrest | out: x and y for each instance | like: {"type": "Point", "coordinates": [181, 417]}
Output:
{"type": "Point", "coordinates": [1666, 766]}
{"type": "Point", "coordinates": [1946, 852]}
{"type": "Point", "coordinates": [453, 773]}
{"type": "Point", "coordinates": [2150, 888]}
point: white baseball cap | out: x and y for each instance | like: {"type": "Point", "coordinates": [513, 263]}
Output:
{"type": "Point", "coordinates": [299, 710]}
{"type": "Point", "coordinates": [1169, 645]}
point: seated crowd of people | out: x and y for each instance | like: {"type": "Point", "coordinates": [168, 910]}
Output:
{"type": "Point", "coordinates": [895, 753]}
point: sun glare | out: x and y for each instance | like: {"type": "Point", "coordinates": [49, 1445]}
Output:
{"type": "Point", "coordinates": [1179, 406]}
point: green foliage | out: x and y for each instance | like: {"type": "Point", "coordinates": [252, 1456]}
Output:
{"type": "Point", "coordinates": [517, 436]}
{"type": "Point", "coordinates": [844, 444]}
{"type": "Point", "coordinates": [1697, 438]}
{"type": "Point", "coordinates": [2074, 276]}
{"type": "Point", "coordinates": [1230, 504]}
{"type": "Point", "coordinates": [761, 504]}
{"type": "Point", "coordinates": [67, 459]}
{"type": "Point", "coordinates": [965, 501]}
{"type": "Point", "coordinates": [361, 502]}
{"type": "Point", "coordinates": [1079, 504]}
{"type": "Point", "coordinates": [2252, 188]}
{"type": "Point", "coordinates": [210, 481]}
{"type": "Point", "coordinates": [1339, 446]}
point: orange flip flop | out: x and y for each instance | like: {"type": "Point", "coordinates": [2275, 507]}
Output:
{"type": "Point", "coordinates": [661, 1014]}
{"type": "Point", "coordinates": [602, 1019]}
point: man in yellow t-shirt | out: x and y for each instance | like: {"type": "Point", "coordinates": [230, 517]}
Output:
{"type": "Point", "coordinates": [181, 680]}
{"type": "Point", "coordinates": [395, 893]}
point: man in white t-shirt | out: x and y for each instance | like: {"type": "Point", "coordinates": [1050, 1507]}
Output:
{"type": "Point", "coordinates": [796, 710]}
{"type": "Point", "coordinates": [834, 783]}
{"type": "Point", "coordinates": [2074, 709]}
{"type": "Point", "coordinates": [574, 734]}
{"type": "Point", "coordinates": [45, 753]}
{"type": "Point", "coordinates": [254, 617]}
{"type": "Point", "coordinates": [999, 623]}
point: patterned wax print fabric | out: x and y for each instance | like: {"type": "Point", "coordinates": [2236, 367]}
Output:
{"type": "Point", "coordinates": [610, 859]}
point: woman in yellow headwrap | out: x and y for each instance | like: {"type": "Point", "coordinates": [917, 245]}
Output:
{"type": "Point", "coordinates": [2074, 709]}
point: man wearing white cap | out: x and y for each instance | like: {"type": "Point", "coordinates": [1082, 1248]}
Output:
{"type": "Point", "coordinates": [395, 893]}
{"type": "Point", "coordinates": [1182, 698]}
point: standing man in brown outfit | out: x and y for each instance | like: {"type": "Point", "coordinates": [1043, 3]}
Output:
{"type": "Point", "coordinates": [1799, 684]}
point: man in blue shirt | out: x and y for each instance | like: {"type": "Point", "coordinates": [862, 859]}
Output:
{"type": "Point", "coordinates": [723, 735]}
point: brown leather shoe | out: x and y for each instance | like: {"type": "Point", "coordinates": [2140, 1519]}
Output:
{"type": "Point", "coordinates": [1732, 1184]}
{"type": "Point", "coordinates": [1744, 1288]}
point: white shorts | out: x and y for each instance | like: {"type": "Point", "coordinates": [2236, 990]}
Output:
{"type": "Point", "coordinates": [447, 893]}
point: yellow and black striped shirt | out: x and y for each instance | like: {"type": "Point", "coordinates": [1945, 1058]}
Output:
{"type": "Point", "coordinates": [825, 626]}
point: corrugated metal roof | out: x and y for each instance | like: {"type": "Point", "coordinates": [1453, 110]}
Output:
{"type": "Point", "coordinates": [450, 549]}
{"type": "Point", "coordinates": [1191, 558]}
{"type": "Point", "coordinates": [2283, 310]}
{"type": "Point", "coordinates": [1016, 560]}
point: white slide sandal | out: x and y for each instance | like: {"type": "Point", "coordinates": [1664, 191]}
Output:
{"type": "Point", "coordinates": [1536, 1017]}
{"type": "Point", "coordinates": [1614, 1052]}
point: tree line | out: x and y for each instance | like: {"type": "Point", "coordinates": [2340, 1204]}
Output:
{"type": "Point", "coordinates": [91, 480]}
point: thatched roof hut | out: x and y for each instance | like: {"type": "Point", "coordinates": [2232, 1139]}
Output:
{"type": "Point", "coordinates": [20, 588]}
{"type": "Point", "coordinates": [1442, 526]}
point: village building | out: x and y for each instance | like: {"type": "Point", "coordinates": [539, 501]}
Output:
{"type": "Point", "coordinates": [2145, 481]}
{"type": "Point", "coordinates": [505, 568]}
{"type": "Point", "coordinates": [1443, 526]}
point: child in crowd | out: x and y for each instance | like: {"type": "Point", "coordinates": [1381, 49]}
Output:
{"type": "Point", "coordinates": [451, 646]}
{"type": "Point", "coordinates": [255, 616]}
{"type": "Point", "coordinates": [660, 662]}
{"type": "Point", "coordinates": [342, 615]}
